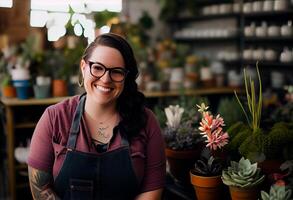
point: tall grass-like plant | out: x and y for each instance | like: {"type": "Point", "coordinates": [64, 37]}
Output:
{"type": "Point", "coordinates": [254, 104]}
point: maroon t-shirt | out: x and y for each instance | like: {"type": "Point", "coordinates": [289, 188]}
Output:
{"type": "Point", "coordinates": [48, 145]}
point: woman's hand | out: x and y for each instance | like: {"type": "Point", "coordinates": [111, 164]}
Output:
{"type": "Point", "coordinates": [40, 184]}
{"type": "Point", "coordinates": [151, 195]}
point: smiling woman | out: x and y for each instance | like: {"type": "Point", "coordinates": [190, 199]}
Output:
{"type": "Point", "coordinates": [107, 132]}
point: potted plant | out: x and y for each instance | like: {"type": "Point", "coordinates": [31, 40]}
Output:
{"type": "Point", "coordinates": [265, 145]}
{"type": "Point", "coordinates": [55, 60]}
{"type": "Point", "coordinates": [206, 174]}
{"type": "Point", "coordinates": [183, 143]}
{"type": "Point", "coordinates": [243, 179]}
{"type": "Point", "coordinates": [278, 192]}
{"type": "Point", "coordinates": [42, 85]}
{"type": "Point", "coordinates": [7, 88]}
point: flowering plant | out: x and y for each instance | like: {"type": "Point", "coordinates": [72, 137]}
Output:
{"type": "Point", "coordinates": [210, 128]}
{"type": "Point", "coordinates": [180, 133]}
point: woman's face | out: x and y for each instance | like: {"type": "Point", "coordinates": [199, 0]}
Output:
{"type": "Point", "coordinates": [103, 90]}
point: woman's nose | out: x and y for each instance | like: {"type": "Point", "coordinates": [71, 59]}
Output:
{"type": "Point", "coordinates": [106, 77]}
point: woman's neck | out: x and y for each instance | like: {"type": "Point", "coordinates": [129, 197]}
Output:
{"type": "Point", "coordinates": [99, 112]}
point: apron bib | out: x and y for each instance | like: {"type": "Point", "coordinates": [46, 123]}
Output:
{"type": "Point", "coordinates": [86, 176]}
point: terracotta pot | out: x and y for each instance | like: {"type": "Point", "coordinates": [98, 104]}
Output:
{"type": "Point", "coordinates": [207, 188]}
{"type": "Point", "coordinates": [8, 91]}
{"type": "Point", "coordinates": [180, 163]}
{"type": "Point", "coordinates": [59, 88]}
{"type": "Point", "coordinates": [238, 193]}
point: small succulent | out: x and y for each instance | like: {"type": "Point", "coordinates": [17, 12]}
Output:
{"type": "Point", "coordinates": [277, 192]}
{"type": "Point", "coordinates": [208, 167]}
{"type": "Point", "coordinates": [242, 174]}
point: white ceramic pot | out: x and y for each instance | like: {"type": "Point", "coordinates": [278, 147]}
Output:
{"type": "Point", "coordinates": [237, 7]}
{"type": "Point", "coordinates": [261, 31]}
{"type": "Point", "coordinates": [247, 7]}
{"type": "Point", "coordinates": [257, 6]}
{"type": "Point", "coordinates": [286, 55]}
{"type": "Point", "coordinates": [258, 54]}
{"type": "Point", "coordinates": [268, 5]}
{"type": "Point", "coordinates": [20, 74]}
{"type": "Point", "coordinates": [43, 80]}
{"type": "Point", "coordinates": [249, 31]}
{"type": "Point", "coordinates": [270, 55]}
{"type": "Point", "coordinates": [281, 5]}
{"type": "Point", "coordinates": [274, 31]}
{"type": "Point", "coordinates": [247, 54]}
{"type": "Point", "coordinates": [287, 30]}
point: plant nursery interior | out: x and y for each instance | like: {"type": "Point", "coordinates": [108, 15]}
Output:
{"type": "Point", "coordinates": [217, 75]}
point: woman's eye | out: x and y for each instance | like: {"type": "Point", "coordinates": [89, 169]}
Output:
{"type": "Point", "coordinates": [98, 68]}
{"type": "Point", "coordinates": [118, 72]}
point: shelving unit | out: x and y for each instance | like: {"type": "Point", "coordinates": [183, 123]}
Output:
{"type": "Point", "coordinates": [240, 41]}
{"type": "Point", "coordinates": [19, 119]}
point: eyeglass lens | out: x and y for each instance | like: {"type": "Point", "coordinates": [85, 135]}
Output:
{"type": "Point", "coordinates": [117, 74]}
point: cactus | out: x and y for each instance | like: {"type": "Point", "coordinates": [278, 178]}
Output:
{"type": "Point", "coordinates": [208, 167]}
{"type": "Point", "coordinates": [242, 174]}
{"type": "Point", "coordinates": [277, 192]}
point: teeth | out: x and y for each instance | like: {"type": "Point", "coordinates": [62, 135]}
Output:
{"type": "Point", "coordinates": [103, 88]}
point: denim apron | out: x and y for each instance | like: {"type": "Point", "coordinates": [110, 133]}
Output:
{"type": "Point", "coordinates": [107, 176]}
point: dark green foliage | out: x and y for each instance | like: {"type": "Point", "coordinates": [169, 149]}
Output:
{"type": "Point", "coordinates": [146, 21]}
{"type": "Point", "coordinates": [280, 136]}
{"type": "Point", "coordinates": [102, 17]}
{"type": "Point", "coordinates": [184, 138]}
{"type": "Point", "coordinates": [230, 111]}
{"type": "Point", "coordinates": [238, 132]}
{"type": "Point", "coordinates": [208, 165]}
{"type": "Point", "coordinates": [283, 113]}
{"type": "Point", "coordinates": [253, 144]}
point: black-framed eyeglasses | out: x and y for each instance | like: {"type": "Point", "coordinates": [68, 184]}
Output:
{"type": "Point", "coordinates": [117, 74]}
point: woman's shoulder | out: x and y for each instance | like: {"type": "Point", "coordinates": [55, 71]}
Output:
{"type": "Point", "coordinates": [152, 125]}
{"type": "Point", "coordinates": [66, 106]}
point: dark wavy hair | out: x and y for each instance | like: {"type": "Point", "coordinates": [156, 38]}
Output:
{"type": "Point", "coordinates": [131, 102]}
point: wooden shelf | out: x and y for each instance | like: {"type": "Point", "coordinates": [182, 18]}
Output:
{"type": "Point", "coordinates": [25, 102]}
{"type": "Point", "coordinates": [49, 101]}
{"type": "Point", "coordinates": [207, 40]}
{"type": "Point", "coordinates": [25, 125]}
{"type": "Point", "coordinates": [194, 92]}
{"type": "Point", "coordinates": [276, 15]}
{"type": "Point", "coordinates": [269, 39]}
{"type": "Point", "coordinates": [203, 17]}
{"type": "Point", "coordinates": [269, 64]}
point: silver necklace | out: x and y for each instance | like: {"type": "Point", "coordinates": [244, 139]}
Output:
{"type": "Point", "coordinates": [102, 130]}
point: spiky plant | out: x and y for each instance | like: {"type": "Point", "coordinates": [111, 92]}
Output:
{"type": "Point", "coordinates": [254, 104]}
{"type": "Point", "coordinates": [242, 174]}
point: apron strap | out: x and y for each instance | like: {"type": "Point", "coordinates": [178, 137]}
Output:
{"type": "Point", "coordinates": [124, 140]}
{"type": "Point", "coordinates": [74, 129]}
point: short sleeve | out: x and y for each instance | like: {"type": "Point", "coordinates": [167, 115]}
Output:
{"type": "Point", "coordinates": [41, 153]}
{"type": "Point", "coordinates": [155, 169]}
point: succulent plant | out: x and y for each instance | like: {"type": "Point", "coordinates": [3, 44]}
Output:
{"type": "Point", "coordinates": [277, 192]}
{"type": "Point", "coordinates": [242, 174]}
{"type": "Point", "coordinates": [210, 166]}
{"type": "Point", "coordinates": [184, 137]}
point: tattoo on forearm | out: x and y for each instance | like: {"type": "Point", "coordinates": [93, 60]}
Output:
{"type": "Point", "coordinates": [40, 185]}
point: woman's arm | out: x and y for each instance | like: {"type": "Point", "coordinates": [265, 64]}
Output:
{"type": "Point", "coordinates": [40, 184]}
{"type": "Point", "coordinates": [151, 195]}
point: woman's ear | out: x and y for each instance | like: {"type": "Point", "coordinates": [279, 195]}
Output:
{"type": "Point", "coordinates": [82, 66]}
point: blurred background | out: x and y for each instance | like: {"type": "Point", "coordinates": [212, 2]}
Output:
{"type": "Point", "coordinates": [186, 49]}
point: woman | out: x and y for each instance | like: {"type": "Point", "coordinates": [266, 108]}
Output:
{"type": "Point", "coordinates": [104, 144]}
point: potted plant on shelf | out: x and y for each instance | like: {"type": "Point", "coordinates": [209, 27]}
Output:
{"type": "Point", "coordinates": [266, 145]}
{"type": "Point", "coordinates": [7, 88]}
{"type": "Point", "coordinates": [243, 179]}
{"type": "Point", "coordinates": [206, 174]}
{"type": "Point", "coordinates": [183, 142]}
{"type": "Point", "coordinates": [42, 85]}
